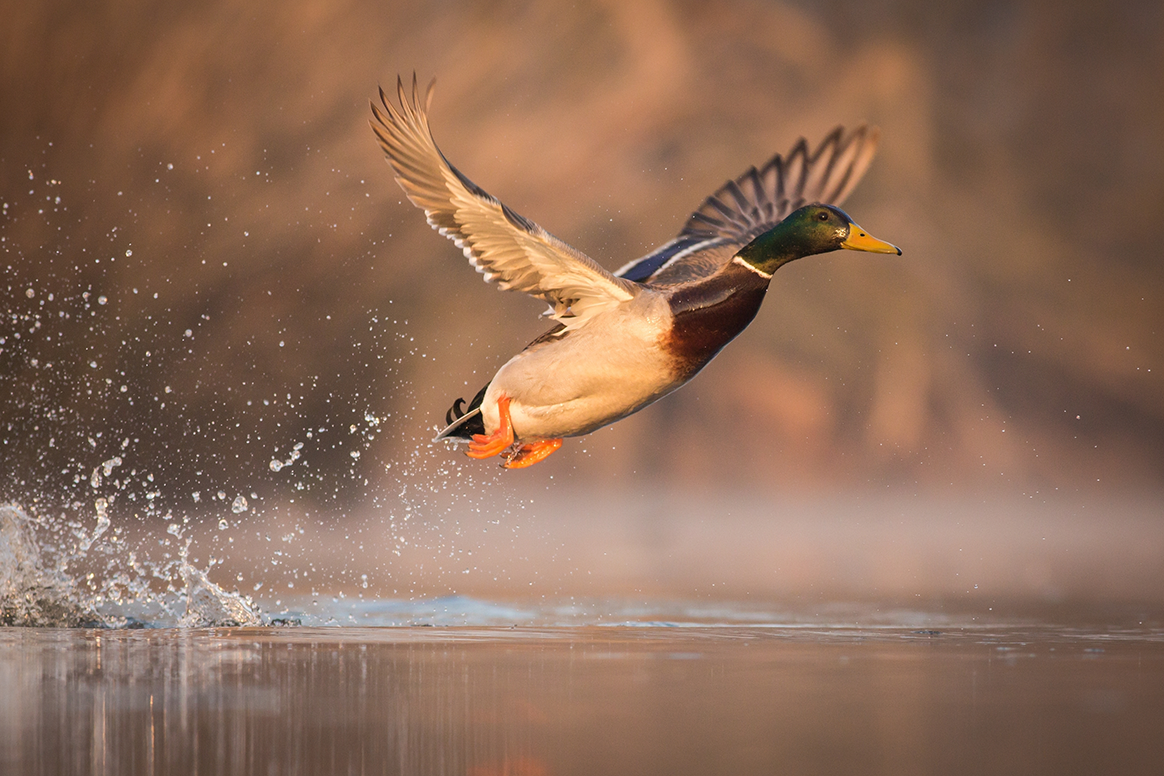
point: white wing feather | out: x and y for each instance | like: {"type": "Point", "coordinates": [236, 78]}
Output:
{"type": "Point", "coordinates": [499, 243]}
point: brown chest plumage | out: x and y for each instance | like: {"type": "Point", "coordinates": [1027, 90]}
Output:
{"type": "Point", "coordinates": [710, 315]}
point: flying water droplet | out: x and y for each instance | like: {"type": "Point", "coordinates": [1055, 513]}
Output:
{"type": "Point", "coordinates": [102, 507]}
{"type": "Point", "coordinates": [239, 505]}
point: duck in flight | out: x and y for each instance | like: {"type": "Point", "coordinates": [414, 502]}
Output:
{"type": "Point", "coordinates": [621, 339]}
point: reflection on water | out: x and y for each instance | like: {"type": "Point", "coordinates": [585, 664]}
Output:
{"type": "Point", "coordinates": [812, 699]}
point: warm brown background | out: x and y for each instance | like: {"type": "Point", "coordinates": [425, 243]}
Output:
{"type": "Point", "coordinates": [1017, 344]}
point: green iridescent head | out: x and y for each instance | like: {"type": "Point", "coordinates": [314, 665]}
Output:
{"type": "Point", "coordinates": [805, 232]}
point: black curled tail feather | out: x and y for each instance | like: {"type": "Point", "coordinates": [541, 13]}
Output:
{"type": "Point", "coordinates": [472, 425]}
{"type": "Point", "coordinates": [455, 412]}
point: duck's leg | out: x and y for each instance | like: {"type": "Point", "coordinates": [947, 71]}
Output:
{"type": "Point", "coordinates": [486, 445]}
{"type": "Point", "coordinates": [531, 453]}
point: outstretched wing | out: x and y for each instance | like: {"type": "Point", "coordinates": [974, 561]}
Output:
{"type": "Point", "coordinates": [502, 245]}
{"type": "Point", "coordinates": [753, 203]}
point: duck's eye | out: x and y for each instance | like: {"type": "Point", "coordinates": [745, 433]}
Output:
{"type": "Point", "coordinates": [824, 216]}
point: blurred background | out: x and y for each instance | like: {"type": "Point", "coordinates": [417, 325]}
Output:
{"type": "Point", "coordinates": [205, 262]}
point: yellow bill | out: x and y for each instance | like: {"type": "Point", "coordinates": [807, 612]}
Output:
{"type": "Point", "coordinates": [860, 240]}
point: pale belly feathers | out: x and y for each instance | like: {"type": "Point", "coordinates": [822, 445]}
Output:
{"type": "Point", "coordinates": [592, 376]}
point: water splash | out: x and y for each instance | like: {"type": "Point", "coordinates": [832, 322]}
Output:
{"type": "Point", "coordinates": [102, 507]}
{"type": "Point", "coordinates": [32, 593]}
{"type": "Point", "coordinates": [106, 584]}
{"type": "Point", "coordinates": [124, 473]}
{"type": "Point", "coordinates": [208, 605]}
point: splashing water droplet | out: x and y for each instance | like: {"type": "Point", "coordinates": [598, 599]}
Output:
{"type": "Point", "coordinates": [276, 465]}
{"type": "Point", "coordinates": [208, 605]}
{"type": "Point", "coordinates": [102, 507]}
{"type": "Point", "coordinates": [33, 590]}
{"type": "Point", "coordinates": [222, 524]}
{"type": "Point", "coordinates": [239, 505]}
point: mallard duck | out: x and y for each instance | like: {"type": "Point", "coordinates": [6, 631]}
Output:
{"type": "Point", "coordinates": [622, 339]}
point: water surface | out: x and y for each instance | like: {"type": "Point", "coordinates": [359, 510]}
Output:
{"type": "Point", "coordinates": [801, 698]}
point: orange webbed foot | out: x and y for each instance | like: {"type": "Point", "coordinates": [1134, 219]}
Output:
{"type": "Point", "coordinates": [529, 454]}
{"type": "Point", "coordinates": [486, 445]}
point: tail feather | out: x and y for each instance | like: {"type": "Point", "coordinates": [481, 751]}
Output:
{"type": "Point", "coordinates": [463, 422]}
{"type": "Point", "coordinates": [463, 427]}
